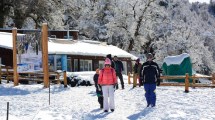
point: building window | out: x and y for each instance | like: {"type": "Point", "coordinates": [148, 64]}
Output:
{"type": "Point", "coordinates": [101, 64]}
{"type": "Point", "coordinates": [75, 65]}
{"type": "Point", "coordinates": [85, 65]}
{"type": "Point", "coordinates": [69, 64]}
{"type": "Point", "coordinates": [125, 67]}
{"type": "Point", "coordinates": [58, 62]}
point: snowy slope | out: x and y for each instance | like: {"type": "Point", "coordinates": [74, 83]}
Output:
{"type": "Point", "coordinates": [30, 102]}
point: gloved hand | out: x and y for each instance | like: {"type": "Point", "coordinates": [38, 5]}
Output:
{"type": "Point", "coordinates": [99, 88]}
{"type": "Point", "coordinates": [158, 82]}
{"type": "Point", "coordinates": [115, 86]}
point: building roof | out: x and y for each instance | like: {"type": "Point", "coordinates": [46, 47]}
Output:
{"type": "Point", "coordinates": [6, 40]}
{"type": "Point", "coordinates": [73, 47]}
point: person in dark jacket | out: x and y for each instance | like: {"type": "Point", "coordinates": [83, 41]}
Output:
{"type": "Point", "coordinates": [137, 68]}
{"type": "Point", "coordinates": [112, 62]}
{"type": "Point", "coordinates": [98, 88]}
{"type": "Point", "coordinates": [119, 68]}
{"type": "Point", "coordinates": [149, 76]}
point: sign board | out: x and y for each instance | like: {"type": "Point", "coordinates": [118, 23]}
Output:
{"type": "Point", "coordinates": [29, 52]}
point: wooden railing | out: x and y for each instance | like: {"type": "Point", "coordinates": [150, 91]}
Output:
{"type": "Point", "coordinates": [186, 82]}
{"type": "Point", "coordinates": [6, 73]}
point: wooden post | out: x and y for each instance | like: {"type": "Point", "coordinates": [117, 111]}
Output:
{"type": "Point", "coordinates": [8, 74]}
{"type": "Point", "coordinates": [45, 54]}
{"type": "Point", "coordinates": [58, 78]}
{"type": "Point", "coordinates": [129, 77]}
{"type": "Point", "coordinates": [213, 78]}
{"type": "Point", "coordinates": [134, 79]}
{"type": "Point", "coordinates": [65, 79]}
{"type": "Point", "coordinates": [15, 77]}
{"type": "Point", "coordinates": [194, 80]}
{"type": "Point", "coordinates": [187, 83]}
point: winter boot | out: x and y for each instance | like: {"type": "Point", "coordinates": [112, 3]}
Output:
{"type": "Point", "coordinates": [117, 87]}
{"type": "Point", "coordinates": [101, 106]}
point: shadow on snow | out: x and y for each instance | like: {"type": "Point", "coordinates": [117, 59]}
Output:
{"type": "Point", "coordinates": [7, 91]}
{"type": "Point", "coordinates": [142, 113]}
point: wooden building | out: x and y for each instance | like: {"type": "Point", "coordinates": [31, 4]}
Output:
{"type": "Point", "coordinates": [86, 55]}
{"type": "Point", "coordinates": [73, 55]}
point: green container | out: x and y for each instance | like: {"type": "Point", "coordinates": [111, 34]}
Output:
{"type": "Point", "coordinates": [181, 66]}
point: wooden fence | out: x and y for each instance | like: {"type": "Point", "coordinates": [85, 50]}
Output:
{"type": "Point", "coordinates": [186, 83]}
{"type": "Point", "coordinates": [7, 73]}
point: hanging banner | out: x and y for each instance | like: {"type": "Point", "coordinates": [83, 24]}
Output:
{"type": "Point", "coordinates": [29, 52]}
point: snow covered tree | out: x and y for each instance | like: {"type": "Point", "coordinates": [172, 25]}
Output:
{"type": "Point", "coordinates": [163, 27]}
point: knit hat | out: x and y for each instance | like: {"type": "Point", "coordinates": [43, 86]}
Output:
{"type": "Point", "coordinates": [107, 61]}
{"type": "Point", "coordinates": [109, 56]}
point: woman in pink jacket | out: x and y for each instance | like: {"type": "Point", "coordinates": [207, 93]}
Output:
{"type": "Point", "coordinates": [107, 79]}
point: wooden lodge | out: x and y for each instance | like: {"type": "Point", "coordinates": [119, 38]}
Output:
{"type": "Point", "coordinates": [64, 54]}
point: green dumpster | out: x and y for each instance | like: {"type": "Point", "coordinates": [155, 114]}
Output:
{"type": "Point", "coordinates": [177, 65]}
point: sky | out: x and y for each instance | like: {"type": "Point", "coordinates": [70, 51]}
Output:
{"type": "Point", "coordinates": [30, 102]}
{"type": "Point", "coordinates": [201, 1]}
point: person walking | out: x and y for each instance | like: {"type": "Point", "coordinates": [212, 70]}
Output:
{"type": "Point", "coordinates": [119, 68]}
{"type": "Point", "coordinates": [107, 79]}
{"type": "Point", "coordinates": [98, 88]}
{"type": "Point", "coordinates": [112, 62]}
{"type": "Point", "coordinates": [136, 75]}
{"type": "Point", "coordinates": [149, 75]}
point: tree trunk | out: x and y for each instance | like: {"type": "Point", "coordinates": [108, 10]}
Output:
{"type": "Point", "coordinates": [2, 14]}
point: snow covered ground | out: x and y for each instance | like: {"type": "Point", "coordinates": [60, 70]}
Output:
{"type": "Point", "coordinates": [31, 102]}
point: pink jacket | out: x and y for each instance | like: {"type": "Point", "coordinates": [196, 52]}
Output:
{"type": "Point", "coordinates": [107, 76]}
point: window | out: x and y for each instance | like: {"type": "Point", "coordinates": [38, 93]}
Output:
{"type": "Point", "coordinates": [85, 65]}
{"type": "Point", "coordinates": [69, 64]}
{"type": "Point", "coordinates": [75, 65]}
{"type": "Point", "coordinates": [59, 64]}
{"type": "Point", "coordinates": [101, 64]}
{"type": "Point", "coordinates": [125, 67]}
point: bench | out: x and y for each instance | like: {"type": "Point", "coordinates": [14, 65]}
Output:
{"type": "Point", "coordinates": [37, 77]}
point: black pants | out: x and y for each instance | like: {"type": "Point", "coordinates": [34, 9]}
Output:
{"type": "Point", "coordinates": [121, 80]}
{"type": "Point", "coordinates": [100, 100]}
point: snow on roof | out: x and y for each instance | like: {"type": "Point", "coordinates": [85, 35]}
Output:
{"type": "Point", "coordinates": [176, 60]}
{"type": "Point", "coordinates": [6, 40]}
{"type": "Point", "coordinates": [87, 47]}
{"type": "Point", "coordinates": [73, 47]}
